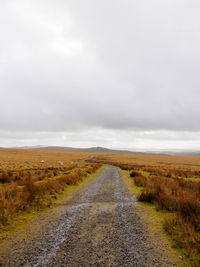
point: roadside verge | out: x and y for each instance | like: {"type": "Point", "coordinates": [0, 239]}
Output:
{"type": "Point", "coordinates": [152, 222]}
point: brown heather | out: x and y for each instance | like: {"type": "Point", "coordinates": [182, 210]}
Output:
{"type": "Point", "coordinates": [31, 185]}
{"type": "Point", "coordinates": [181, 197]}
{"type": "Point", "coordinates": [171, 184]}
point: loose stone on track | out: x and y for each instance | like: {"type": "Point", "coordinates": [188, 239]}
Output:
{"type": "Point", "coordinates": [99, 226]}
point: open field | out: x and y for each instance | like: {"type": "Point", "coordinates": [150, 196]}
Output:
{"type": "Point", "coordinates": [31, 180]}
{"type": "Point", "coordinates": [184, 162]}
{"type": "Point", "coordinates": [16, 159]}
{"type": "Point", "coordinates": [172, 184]}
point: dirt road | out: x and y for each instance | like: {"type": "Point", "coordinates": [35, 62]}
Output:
{"type": "Point", "coordinates": [99, 226]}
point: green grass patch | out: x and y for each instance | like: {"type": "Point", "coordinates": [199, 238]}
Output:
{"type": "Point", "coordinates": [145, 173]}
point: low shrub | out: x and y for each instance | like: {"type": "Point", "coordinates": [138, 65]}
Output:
{"type": "Point", "coordinates": [185, 236]}
{"type": "Point", "coordinates": [189, 209]}
{"type": "Point", "coordinates": [140, 180]}
{"type": "Point", "coordinates": [5, 177]}
{"type": "Point", "coordinates": [183, 199]}
{"type": "Point", "coordinates": [147, 196]}
{"type": "Point", "coordinates": [30, 192]}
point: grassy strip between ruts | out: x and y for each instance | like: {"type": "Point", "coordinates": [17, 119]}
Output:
{"type": "Point", "coordinates": [153, 221]}
{"type": "Point", "coordinates": [49, 201]}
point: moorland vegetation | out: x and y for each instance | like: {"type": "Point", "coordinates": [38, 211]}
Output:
{"type": "Point", "coordinates": [32, 180]}
{"type": "Point", "coordinates": [171, 184]}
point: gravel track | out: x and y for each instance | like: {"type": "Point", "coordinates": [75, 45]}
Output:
{"type": "Point", "coordinates": [99, 226]}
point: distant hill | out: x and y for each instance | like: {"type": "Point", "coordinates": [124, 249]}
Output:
{"type": "Point", "coordinates": [110, 151]}
{"type": "Point", "coordinates": [88, 150]}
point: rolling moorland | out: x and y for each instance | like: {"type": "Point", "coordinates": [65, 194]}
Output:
{"type": "Point", "coordinates": [111, 151]}
{"type": "Point", "coordinates": [33, 180]}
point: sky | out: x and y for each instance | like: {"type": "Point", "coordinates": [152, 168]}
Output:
{"type": "Point", "coordinates": [113, 73]}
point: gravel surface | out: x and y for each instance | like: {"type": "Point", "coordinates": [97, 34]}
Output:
{"type": "Point", "coordinates": [99, 226]}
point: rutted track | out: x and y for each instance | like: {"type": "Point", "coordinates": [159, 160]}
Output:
{"type": "Point", "coordinates": [99, 226]}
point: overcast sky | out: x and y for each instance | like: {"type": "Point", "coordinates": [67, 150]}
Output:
{"type": "Point", "coordinates": [114, 73]}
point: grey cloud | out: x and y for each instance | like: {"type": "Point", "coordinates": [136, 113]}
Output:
{"type": "Point", "coordinates": [68, 66]}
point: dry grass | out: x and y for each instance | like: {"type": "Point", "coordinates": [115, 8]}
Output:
{"type": "Point", "coordinates": [12, 159]}
{"type": "Point", "coordinates": [171, 184]}
{"type": "Point", "coordinates": [182, 162]}
{"type": "Point", "coordinates": [34, 186]}
{"type": "Point", "coordinates": [183, 199]}
{"type": "Point", "coordinates": [164, 166]}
